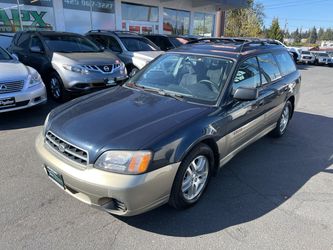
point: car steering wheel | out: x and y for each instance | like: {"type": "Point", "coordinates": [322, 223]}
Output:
{"type": "Point", "coordinates": [210, 84]}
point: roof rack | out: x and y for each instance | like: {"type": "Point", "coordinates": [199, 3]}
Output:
{"type": "Point", "coordinates": [241, 42]}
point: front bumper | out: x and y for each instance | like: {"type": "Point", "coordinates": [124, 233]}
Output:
{"type": "Point", "coordinates": [124, 195]}
{"type": "Point", "coordinates": [26, 98]}
{"type": "Point", "coordinates": [306, 60]}
{"type": "Point", "coordinates": [76, 82]}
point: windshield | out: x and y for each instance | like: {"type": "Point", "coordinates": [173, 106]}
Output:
{"type": "Point", "coordinates": [68, 44]}
{"type": "Point", "coordinates": [306, 53]}
{"type": "Point", "coordinates": [138, 44]}
{"type": "Point", "coordinates": [323, 54]}
{"type": "Point", "coordinates": [195, 78]}
{"type": "Point", "coordinates": [178, 41]}
{"type": "Point", "coordinates": [4, 56]}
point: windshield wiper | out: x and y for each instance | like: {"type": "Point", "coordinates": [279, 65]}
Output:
{"type": "Point", "coordinates": [163, 92]}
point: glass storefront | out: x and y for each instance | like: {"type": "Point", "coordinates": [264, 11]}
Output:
{"type": "Point", "coordinates": [16, 15]}
{"type": "Point", "coordinates": [136, 12]}
{"type": "Point", "coordinates": [176, 22]}
{"type": "Point", "coordinates": [203, 24]}
{"type": "Point", "coordinates": [82, 16]}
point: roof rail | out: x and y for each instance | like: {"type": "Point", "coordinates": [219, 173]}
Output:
{"type": "Point", "coordinates": [242, 42]}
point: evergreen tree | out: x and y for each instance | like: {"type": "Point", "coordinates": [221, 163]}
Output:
{"type": "Point", "coordinates": [320, 33]}
{"type": "Point", "coordinates": [313, 35]}
{"type": "Point", "coordinates": [275, 31]}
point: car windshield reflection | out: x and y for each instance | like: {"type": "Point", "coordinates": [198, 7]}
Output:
{"type": "Point", "coordinates": [197, 78]}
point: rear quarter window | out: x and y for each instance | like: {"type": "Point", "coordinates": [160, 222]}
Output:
{"type": "Point", "coordinates": [285, 63]}
{"type": "Point", "coordinates": [269, 67]}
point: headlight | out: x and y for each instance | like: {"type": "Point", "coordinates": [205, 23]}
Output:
{"type": "Point", "coordinates": [76, 69]}
{"type": "Point", "coordinates": [124, 162]}
{"type": "Point", "coordinates": [34, 79]}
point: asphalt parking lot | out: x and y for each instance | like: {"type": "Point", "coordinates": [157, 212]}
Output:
{"type": "Point", "coordinates": [276, 194]}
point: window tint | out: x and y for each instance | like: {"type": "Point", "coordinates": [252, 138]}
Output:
{"type": "Point", "coordinates": [164, 43]}
{"type": "Point", "coordinates": [270, 69]}
{"type": "Point", "coordinates": [285, 62]}
{"type": "Point", "coordinates": [4, 56]}
{"type": "Point", "coordinates": [70, 43]}
{"type": "Point", "coordinates": [248, 74]}
{"type": "Point", "coordinates": [108, 42]}
{"type": "Point", "coordinates": [138, 44]}
{"type": "Point", "coordinates": [23, 41]}
{"type": "Point", "coordinates": [36, 42]}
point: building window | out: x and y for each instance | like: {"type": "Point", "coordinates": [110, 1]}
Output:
{"type": "Point", "coordinates": [204, 24]}
{"type": "Point", "coordinates": [176, 22]}
{"type": "Point", "coordinates": [26, 14]}
{"type": "Point", "coordinates": [82, 16]}
{"type": "Point", "coordinates": [136, 12]}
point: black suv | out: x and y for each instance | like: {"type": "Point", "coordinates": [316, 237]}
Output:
{"type": "Point", "coordinates": [134, 50]}
{"type": "Point", "coordinates": [168, 42]}
{"type": "Point", "coordinates": [68, 62]}
{"type": "Point", "coordinates": [168, 129]}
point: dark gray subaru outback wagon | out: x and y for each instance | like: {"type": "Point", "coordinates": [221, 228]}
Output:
{"type": "Point", "coordinates": [161, 136]}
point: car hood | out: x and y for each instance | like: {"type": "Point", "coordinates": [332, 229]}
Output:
{"type": "Point", "coordinates": [141, 58]}
{"type": "Point", "coordinates": [121, 118]}
{"type": "Point", "coordinates": [99, 58]}
{"type": "Point", "coordinates": [13, 71]}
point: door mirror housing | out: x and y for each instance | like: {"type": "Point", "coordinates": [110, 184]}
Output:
{"type": "Point", "coordinates": [246, 94]}
{"type": "Point", "coordinates": [36, 49]}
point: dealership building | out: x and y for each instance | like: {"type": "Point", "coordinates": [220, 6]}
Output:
{"type": "Point", "coordinates": [182, 17]}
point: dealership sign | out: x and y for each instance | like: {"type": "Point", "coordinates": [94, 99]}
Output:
{"type": "Point", "coordinates": [31, 20]}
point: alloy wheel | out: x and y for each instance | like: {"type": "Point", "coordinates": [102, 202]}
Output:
{"type": "Point", "coordinates": [284, 119]}
{"type": "Point", "coordinates": [195, 178]}
{"type": "Point", "coordinates": [55, 88]}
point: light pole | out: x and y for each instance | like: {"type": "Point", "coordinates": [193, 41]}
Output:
{"type": "Point", "coordinates": [19, 12]}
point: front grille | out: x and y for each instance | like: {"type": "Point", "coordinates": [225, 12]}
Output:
{"type": "Point", "coordinates": [68, 150]}
{"type": "Point", "coordinates": [11, 87]}
{"type": "Point", "coordinates": [105, 69]}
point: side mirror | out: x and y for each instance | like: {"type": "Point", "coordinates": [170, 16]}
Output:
{"type": "Point", "coordinates": [36, 49]}
{"type": "Point", "coordinates": [246, 94]}
{"type": "Point", "coordinates": [15, 57]}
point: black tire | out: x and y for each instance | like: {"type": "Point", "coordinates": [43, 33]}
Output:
{"type": "Point", "coordinates": [133, 70]}
{"type": "Point", "coordinates": [56, 88]}
{"type": "Point", "coordinates": [280, 130]}
{"type": "Point", "coordinates": [177, 197]}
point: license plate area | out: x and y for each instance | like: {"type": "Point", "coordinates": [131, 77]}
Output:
{"type": "Point", "coordinates": [7, 102]}
{"type": "Point", "coordinates": [55, 177]}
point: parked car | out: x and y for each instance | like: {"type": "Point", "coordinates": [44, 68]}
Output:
{"type": "Point", "coordinates": [20, 86]}
{"type": "Point", "coordinates": [68, 62]}
{"type": "Point", "coordinates": [322, 58]}
{"type": "Point", "coordinates": [168, 129]}
{"type": "Point", "coordinates": [294, 51]}
{"type": "Point", "coordinates": [307, 57]}
{"type": "Point", "coordinates": [134, 50]}
{"type": "Point", "coordinates": [168, 42]}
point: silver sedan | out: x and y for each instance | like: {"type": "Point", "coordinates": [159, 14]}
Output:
{"type": "Point", "coordinates": [20, 86]}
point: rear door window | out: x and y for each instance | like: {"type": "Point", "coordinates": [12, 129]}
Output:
{"type": "Point", "coordinates": [269, 67]}
{"type": "Point", "coordinates": [285, 62]}
{"type": "Point", "coordinates": [36, 42]}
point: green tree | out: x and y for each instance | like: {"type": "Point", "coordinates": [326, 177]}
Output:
{"type": "Point", "coordinates": [313, 35]}
{"type": "Point", "coordinates": [246, 22]}
{"type": "Point", "coordinates": [296, 35]}
{"type": "Point", "coordinates": [320, 33]}
{"type": "Point", "coordinates": [275, 31]}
